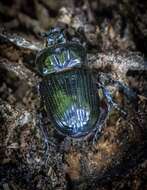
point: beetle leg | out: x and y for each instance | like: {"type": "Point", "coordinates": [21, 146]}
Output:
{"type": "Point", "coordinates": [100, 123]}
{"type": "Point", "coordinates": [104, 113]}
{"type": "Point", "coordinates": [106, 79]}
{"type": "Point", "coordinates": [111, 102]}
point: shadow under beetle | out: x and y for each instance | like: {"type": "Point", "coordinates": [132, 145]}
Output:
{"type": "Point", "coordinates": [76, 101]}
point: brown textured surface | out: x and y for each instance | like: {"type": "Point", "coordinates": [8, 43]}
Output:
{"type": "Point", "coordinates": [118, 159]}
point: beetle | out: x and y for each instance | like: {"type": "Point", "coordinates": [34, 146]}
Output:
{"type": "Point", "coordinates": [68, 89]}
{"type": "Point", "coordinates": [77, 101]}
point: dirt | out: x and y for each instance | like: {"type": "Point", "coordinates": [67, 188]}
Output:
{"type": "Point", "coordinates": [114, 35]}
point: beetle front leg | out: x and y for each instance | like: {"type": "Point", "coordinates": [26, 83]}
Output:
{"type": "Point", "coordinates": [106, 80]}
{"type": "Point", "coordinates": [104, 110]}
{"type": "Point", "coordinates": [111, 103]}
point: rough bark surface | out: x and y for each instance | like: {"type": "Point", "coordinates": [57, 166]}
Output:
{"type": "Point", "coordinates": [110, 31]}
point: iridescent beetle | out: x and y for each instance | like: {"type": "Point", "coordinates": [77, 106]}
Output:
{"type": "Point", "coordinates": [68, 90]}
{"type": "Point", "coordinates": [76, 102]}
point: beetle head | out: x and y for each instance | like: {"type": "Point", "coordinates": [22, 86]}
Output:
{"type": "Point", "coordinates": [59, 55]}
{"type": "Point", "coordinates": [54, 36]}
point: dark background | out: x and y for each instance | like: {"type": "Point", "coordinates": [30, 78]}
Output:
{"type": "Point", "coordinates": [119, 159]}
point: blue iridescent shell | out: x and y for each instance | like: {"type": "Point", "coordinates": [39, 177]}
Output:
{"type": "Point", "coordinates": [60, 57]}
{"type": "Point", "coordinates": [69, 93]}
{"type": "Point", "coordinates": [71, 100]}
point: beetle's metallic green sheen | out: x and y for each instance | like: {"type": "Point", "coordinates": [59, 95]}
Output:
{"type": "Point", "coordinates": [69, 93]}
{"type": "Point", "coordinates": [71, 99]}
{"type": "Point", "coordinates": [60, 57]}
